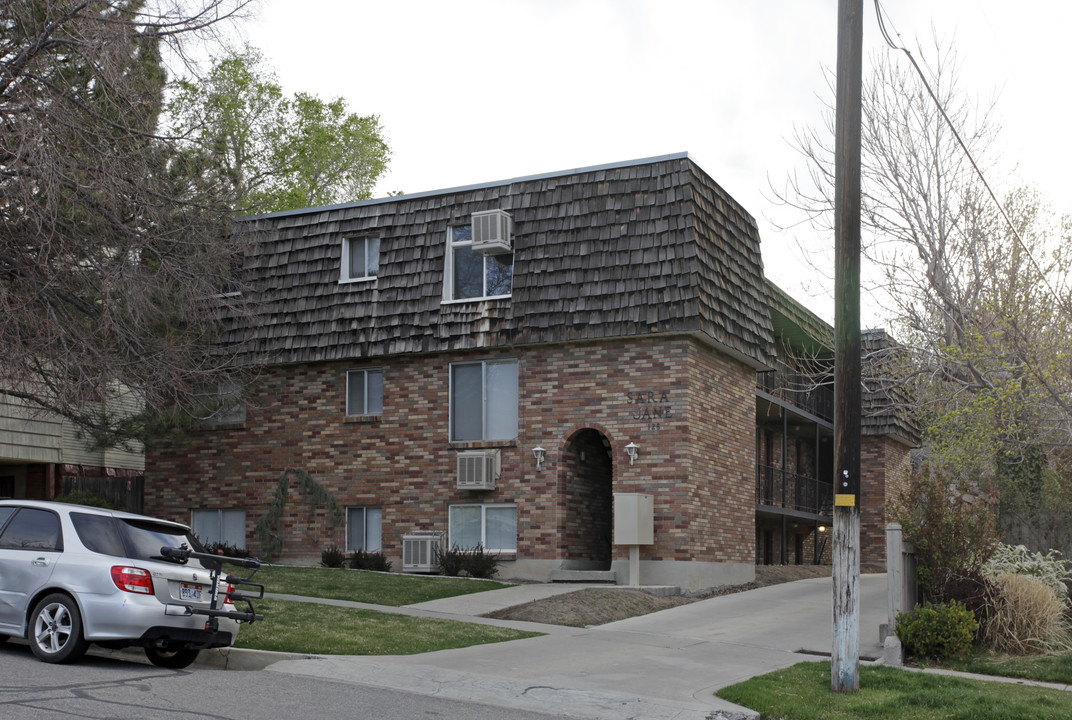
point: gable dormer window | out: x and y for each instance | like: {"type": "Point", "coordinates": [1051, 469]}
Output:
{"type": "Point", "coordinates": [471, 275]}
{"type": "Point", "coordinates": [360, 258]}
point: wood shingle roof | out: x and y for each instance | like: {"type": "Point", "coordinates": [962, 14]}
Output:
{"type": "Point", "coordinates": [650, 246]}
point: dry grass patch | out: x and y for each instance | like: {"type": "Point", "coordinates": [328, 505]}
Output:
{"type": "Point", "coordinates": [1026, 616]}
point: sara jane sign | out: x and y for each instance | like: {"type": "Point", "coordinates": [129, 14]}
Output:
{"type": "Point", "coordinates": [649, 407]}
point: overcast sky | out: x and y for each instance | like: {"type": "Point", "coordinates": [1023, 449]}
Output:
{"type": "Point", "coordinates": [473, 91]}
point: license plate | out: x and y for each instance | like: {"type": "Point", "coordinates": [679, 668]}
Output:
{"type": "Point", "coordinates": [190, 592]}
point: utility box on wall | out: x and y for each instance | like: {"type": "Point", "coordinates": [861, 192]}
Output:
{"type": "Point", "coordinates": [634, 519]}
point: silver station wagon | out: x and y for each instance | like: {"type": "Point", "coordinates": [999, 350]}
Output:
{"type": "Point", "coordinates": [72, 575]}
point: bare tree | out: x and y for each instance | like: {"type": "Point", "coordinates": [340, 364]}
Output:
{"type": "Point", "coordinates": [114, 254]}
{"type": "Point", "coordinates": [979, 297]}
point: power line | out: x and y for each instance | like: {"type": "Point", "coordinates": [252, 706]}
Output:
{"type": "Point", "coordinates": [923, 78]}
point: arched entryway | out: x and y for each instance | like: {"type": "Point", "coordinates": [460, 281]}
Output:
{"type": "Point", "coordinates": [587, 501]}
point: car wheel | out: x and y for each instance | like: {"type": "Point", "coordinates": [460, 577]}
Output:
{"type": "Point", "coordinates": [55, 631]}
{"type": "Point", "coordinates": [175, 659]}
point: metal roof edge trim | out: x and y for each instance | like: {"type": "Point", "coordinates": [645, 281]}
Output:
{"type": "Point", "coordinates": [468, 188]}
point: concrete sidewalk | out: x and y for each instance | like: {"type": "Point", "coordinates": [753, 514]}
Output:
{"type": "Point", "coordinates": [663, 665]}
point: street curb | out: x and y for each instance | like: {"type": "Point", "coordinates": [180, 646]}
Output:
{"type": "Point", "coordinates": [238, 659]}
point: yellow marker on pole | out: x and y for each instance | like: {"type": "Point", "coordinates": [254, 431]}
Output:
{"type": "Point", "coordinates": [844, 500]}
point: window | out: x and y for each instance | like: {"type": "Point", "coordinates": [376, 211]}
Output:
{"type": "Point", "coordinates": [471, 275]}
{"type": "Point", "coordinates": [99, 534]}
{"type": "Point", "coordinates": [33, 529]}
{"type": "Point", "coordinates": [364, 529]}
{"type": "Point", "coordinates": [220, 526]}
{"type": "Point", "coordinates": [222, 403]}
{"type": "Point", "coordinates": [494, 527]}
{"type": "Point", "coordinates": [360, 259]}
{"type": "Point", "coordinates": [364, 392]}
{"type": "Point", "coordinates": [483, 400]}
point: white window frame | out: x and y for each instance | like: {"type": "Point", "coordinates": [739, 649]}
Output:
{"type": "Point", "coordinates": [346, 270]}
{"type": "Point", "coordinates": [239, 541]}
{"type": "Point", "coordinates": [448, 271]}
{"type": "Point", "coordinates": [364, 510]}
{"type": "Point", "coordinates": [364, 374]}
{"type": "Point", "coordinates": [484, 404]}
{"type": "Point", "coordinates": [484, 525]}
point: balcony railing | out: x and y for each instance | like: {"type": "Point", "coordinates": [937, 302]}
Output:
{"type": "Point", "coordinates": [799, 389]}
{"type": "Point", "coordinates": [779, 488]}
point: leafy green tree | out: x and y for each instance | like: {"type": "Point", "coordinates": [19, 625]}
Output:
{"type": "Point", "coordinates": [272, 151]}
{"type": "Point", "coordinates": [111, 249]}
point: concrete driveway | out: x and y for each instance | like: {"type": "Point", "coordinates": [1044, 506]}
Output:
{"type": "Point", "coordinates": [664, 665]}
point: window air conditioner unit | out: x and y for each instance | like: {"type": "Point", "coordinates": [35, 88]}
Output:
{"type": "Point", "coordinates": [478, 470]}
{"type": "Point", "coordinates": [492, 232]}
{"type": "Point", "coordinates": [420, 551]}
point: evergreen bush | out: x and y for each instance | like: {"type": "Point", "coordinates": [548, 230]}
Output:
{"type": "Point", "coordinates": [88, 497]}
{"type": "Point", "coordinates": [475, 562]}
{"type": "Point", "coordinates": [937, 631]}
{"type": "Point", "coordinates": [332, 557]}
{"type": "Point", "coordinates": [222, 548]}
{"type": "Point", "coordinates": [361, 560]}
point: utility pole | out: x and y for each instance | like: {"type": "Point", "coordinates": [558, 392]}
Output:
{"type": "Point", "coordinates": [845, 657]}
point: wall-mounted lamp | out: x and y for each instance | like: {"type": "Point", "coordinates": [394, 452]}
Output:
{"type": "Point", "coordinates": [538, 452]}
{"type": "Point", "coordinates": [631, 450]}
{"type": "Point", "coordinates": [822, 528]}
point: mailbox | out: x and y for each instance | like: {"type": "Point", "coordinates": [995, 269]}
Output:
{"type": "Point", "coordinates": [634, 519]}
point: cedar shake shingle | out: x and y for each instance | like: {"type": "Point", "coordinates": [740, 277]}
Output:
{"type": "Point", "coordinates": [630, 249]}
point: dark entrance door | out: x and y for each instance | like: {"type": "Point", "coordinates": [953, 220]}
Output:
{"type": "Point", "coordinates": [588, 501]}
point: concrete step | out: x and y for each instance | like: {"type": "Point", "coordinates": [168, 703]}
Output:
{"type": "Point", "coordinates": [584, 576]}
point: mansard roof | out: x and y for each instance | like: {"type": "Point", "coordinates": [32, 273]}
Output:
{"type": "Point", "coordinates": [887, 405]}
{"type": "Point", "coordinates": [623, 250]}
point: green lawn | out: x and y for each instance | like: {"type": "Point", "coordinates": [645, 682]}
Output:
{"type": "Point", "coordinates": [299, 627]}
{"type": "Point", "coordinates": [1055, 667]}
{"type": "Point", "coordinates": [319, 629]}
{"type": "Point", "coordinates": [802, 692]}
{"type": "Point", "coordinates": [392, 589]}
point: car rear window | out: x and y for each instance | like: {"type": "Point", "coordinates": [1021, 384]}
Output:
{"type": "Point", "coordinates": [146, 538]}
{"type": "Point", "coordinates": [99, 534]}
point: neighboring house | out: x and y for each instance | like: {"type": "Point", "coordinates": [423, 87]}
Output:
{"type": "Point", "coordinates": [43, 456]}
{"type": "Point", "coordinates": [416, 353]}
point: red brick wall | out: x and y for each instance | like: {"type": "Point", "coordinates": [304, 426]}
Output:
{"type": "Point", "coordinates": [884, 468]}
{"type": "Point", "coordinates": [690, 409]}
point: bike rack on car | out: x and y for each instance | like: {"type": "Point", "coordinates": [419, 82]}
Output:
{"type": "Point", "coordinates": [214, 564]}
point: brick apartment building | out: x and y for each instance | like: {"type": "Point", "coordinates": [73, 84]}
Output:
{"type": "Point", "coordinates": [417, 353]}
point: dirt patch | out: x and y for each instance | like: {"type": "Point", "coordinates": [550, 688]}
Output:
{"type": "Point", "coordinates": [598, 606]}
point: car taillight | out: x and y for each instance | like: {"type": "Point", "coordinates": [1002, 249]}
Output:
{"type": "Point", "coordinates": [227, 598]}
{"type": "Point", "coordinates": [131, 579]}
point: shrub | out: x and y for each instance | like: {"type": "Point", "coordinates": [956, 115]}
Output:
{"type": "Point", "coordinates": [937, 631]}
{"type": "Point", "coordinates": [87, 497]}
{"type": "Point", "coordinates": [362, 560]}
{"type": "Point", "coordinates": [974, 591]}
{"type": "Point", "coordinates": [1018, 560]}
{"type": "Point", "coordinates": [1024, 615]}
{"type": "Point", "coordinates": [479, 563]}
{"type": "Point", "coordinates": [332, 557]}
{"type": "Point", "coordinates": [450, 561]}
{"type": "Point", "coordinates": [952, 527]}
{"type": "Point", "coordinates": [475, 562]}
{"type": "Point", "coordinates": [222, 548]}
